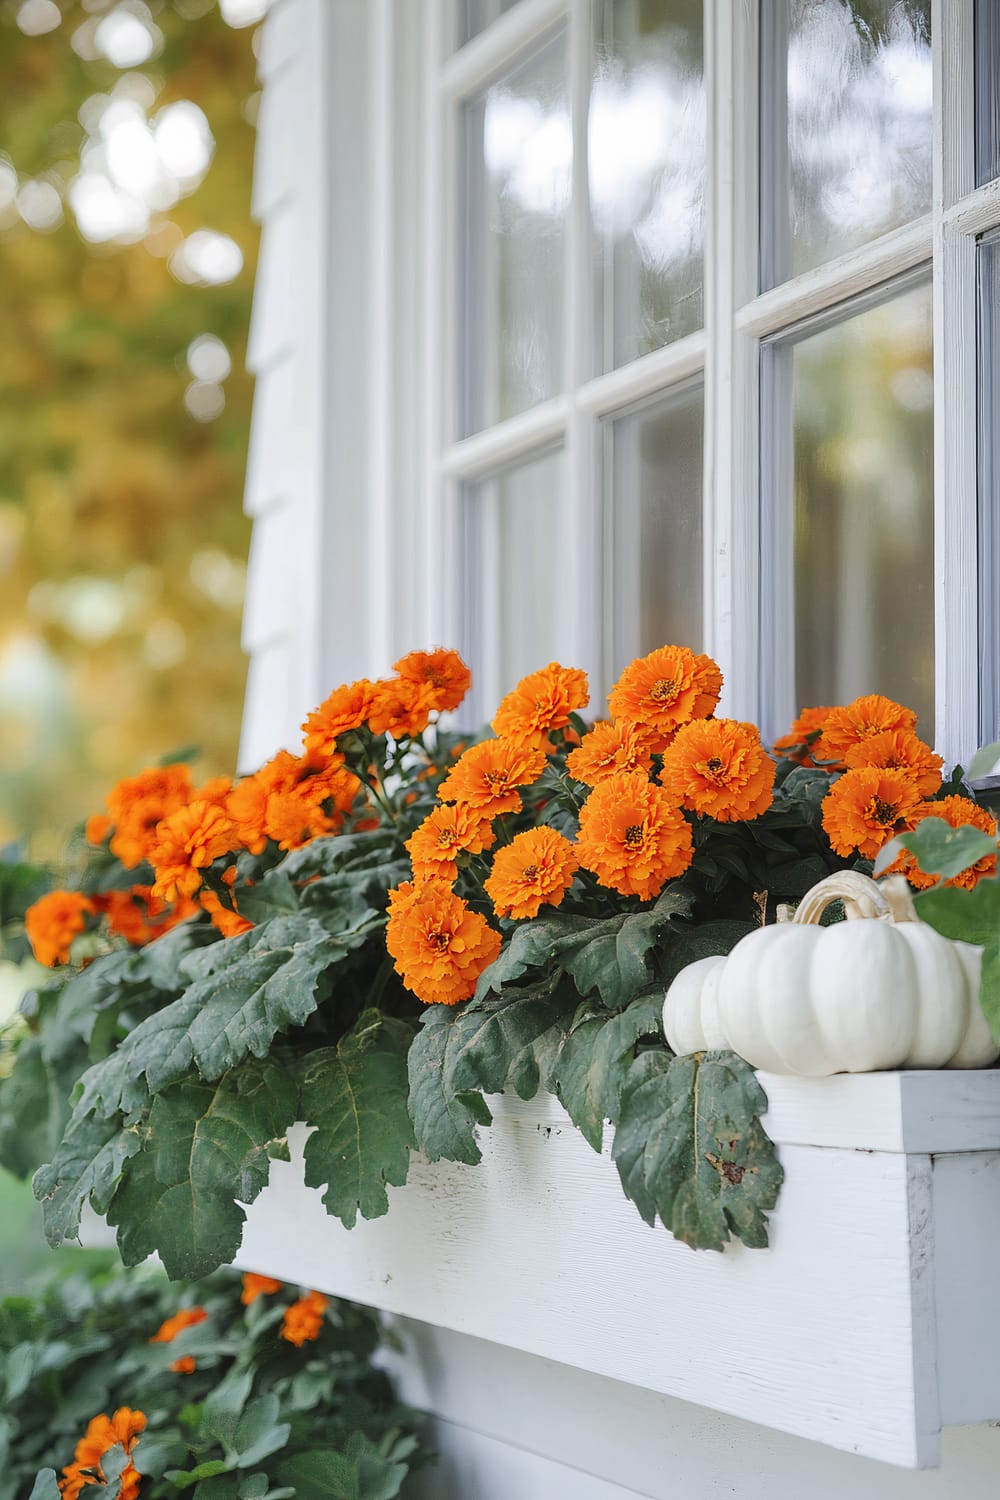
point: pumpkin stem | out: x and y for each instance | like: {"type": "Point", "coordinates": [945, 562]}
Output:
{"type": "Point", "coordinates": [887, 902]}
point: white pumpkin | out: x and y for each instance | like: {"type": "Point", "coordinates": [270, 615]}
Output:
{"type": "Point", "coordinates": [881, 990]}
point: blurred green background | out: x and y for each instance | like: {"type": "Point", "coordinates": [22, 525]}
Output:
{"type": "Point", "coordinates": [127, 257]}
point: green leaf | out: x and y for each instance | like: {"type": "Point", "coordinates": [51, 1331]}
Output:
{"type": "Point", "coordinates": [593, 1063]}
{"type": "Point", "coordinates": [356, 1094]}
{"type": "Point", "coordinates": [243, 993]}
{"type": "Point", "coordinates": [88, 1163]}
{"type": "Point", "coordinates": [938, 848]}
{"type": "Point", "coordinates": [34, 1106]}
{"type": "Point", "coordinates": [970, 916]}
{"type": "Point", "coordinates": [492, 1044]}
{"type": "Point", "coordinates": [360, 1474]}
{"type": "Point", "coordinates": [206, 1146]}
{"type": "Point", "coordinates": [443, 1121]}
{"type": "Point", "coordinates": [182, 1478]}
{"type": "Point", "coordinates": [259, 1433]}
{"type": "Point", "coordinates": [983, 761]}
{"type": "Point", "coordinates": [223, 1408]}
{"type": "Point", "coordinates": [46, 1486]}
{"type": "Point", "coordinates": [690, 1148]}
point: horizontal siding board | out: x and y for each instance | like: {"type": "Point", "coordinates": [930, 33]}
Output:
{"type": "Point", "coordinates": [265, 709]}
{"type": "Point", "coordinates": [275, 320]}
{"type": "Point", "coordinates": [276, 125]}
{"type": "Point", "coordinates": [275, 439]}
{"type": "Point", "coordinates": [269, 604]}
{"type": "Point", "coordinates": [282, 38]}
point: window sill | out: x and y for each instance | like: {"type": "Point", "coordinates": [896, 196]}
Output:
{"type": "Point", "coordinates": [865, 1325]}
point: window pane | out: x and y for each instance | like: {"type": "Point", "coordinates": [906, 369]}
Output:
{"type": "Point", "coordinates": [518, 154]}
{"type": "Point", "coordinates": [987, 90]}
{"type": "Point", "coordinates": [989, 485]}
{"type": "Point", "coordinates": [476, 15]}
{"type": "Point", "coordinates": [647, 174]}
{"type": "Point", "coordinates": [846, 116]}
{"type": "Point", "coordinates": [653, 465]}
{"type": "Point", "coordinates": [864, 513]}
{"type": "Point", "coordinates": [514, 615]}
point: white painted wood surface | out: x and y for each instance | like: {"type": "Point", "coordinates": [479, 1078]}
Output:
{"type": "Point", "coordinates": [832, 1334]}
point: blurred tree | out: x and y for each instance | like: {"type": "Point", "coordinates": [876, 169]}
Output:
{"type": "Point", "coordinates": [126, 267]}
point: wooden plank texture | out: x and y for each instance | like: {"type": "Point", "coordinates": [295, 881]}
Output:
{"type": "Point", "coordinates": [537, 1249]}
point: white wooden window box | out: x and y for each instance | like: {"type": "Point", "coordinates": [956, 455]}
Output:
{"type": "Point", "coordinates": [869, 1324]}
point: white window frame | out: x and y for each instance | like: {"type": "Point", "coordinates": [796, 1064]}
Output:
{"type": "Point", "coordinates": [379, 508]}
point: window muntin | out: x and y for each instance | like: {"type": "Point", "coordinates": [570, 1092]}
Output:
{"type": "Point", "coordinates": [654, 547]}
{"type": "Point", "coordinates": [476, 15]}
{"type": "Point", "coordinates": [647, 174]}
{"type": "Point", "coordinates": [846, 126]}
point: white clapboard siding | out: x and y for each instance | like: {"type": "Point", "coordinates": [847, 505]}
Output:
{"type": "Point", "coordinates": [833, 1334]}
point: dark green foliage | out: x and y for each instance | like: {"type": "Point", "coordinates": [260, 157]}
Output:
{"type": "Point", "coordinates": [255, 1416]}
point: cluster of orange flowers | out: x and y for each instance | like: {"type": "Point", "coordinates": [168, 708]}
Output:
{"type": "Point", "coordinates": [188, 1317]}
{"type": "Point", "coordinates": [102, 1436]}
{"type": "Point", "coordinates": [633, 836]}
{"type": "Point", "coordinates": [161, 819]}
{"type": "Point", "coordinates": [304, 1319]}
{"type": "Point", "coordinates": [888, 778]}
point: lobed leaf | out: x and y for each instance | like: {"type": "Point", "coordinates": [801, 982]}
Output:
{"type": "Point", "coordinates": [938, 848]}
{"type": "Point", "coordinates": [594, 1061]}
{"type": "Point", "coordinates": [88, 1164]}
{"type": "Point", "coordinates": [690, 1148]}
{"type": "Point", "coordinates": [356, 1094]}
{"type": "Point", "coordinates": [205, 1147]}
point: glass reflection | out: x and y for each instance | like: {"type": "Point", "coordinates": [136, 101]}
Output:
{"type": "Point", "coordinates": [987, 90]}
{"type": "Point", "coordinates": [850, 132]}
{"type": "Point", "coordinates": [653, 468]}
{"type": "Point", "coordinates": [647, 174]}
{"type": "Point", "coordinates": [864, 513]}
{"type": "Point", "coordinates": [988, 267]}
{"type": "Point", "coordinates": [476, 15]}
{"type": "Point", "coordinates": [513, 617]}
{"type": "Point", "coordinates": [518, 162]}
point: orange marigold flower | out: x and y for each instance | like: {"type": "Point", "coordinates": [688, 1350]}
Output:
{"type": "Point", "coordinates": [439, 945]}
{"type": "Point", "coordinates": [632, 837]}
{"type": "Point", "coordinates": [957, 811]}
{"type": "Point", "coordinates": [183, 1366]}
{"type": "Point", "coordinates": [346, 709]}
{"type": "Point", "coordinates": [535, 869]}
{"type": "Point", "coordinates": [448, 831]}
{"type": "Point", "coordinates": [138, 803]}
{"type": "Point", "coordinates": [443, 671]}
{"type": "Point", "coordinates": [666, 689]}
{"type": "Point", "coordinates": [97, 828]}
{"type": "Point", "coordinates": [899, 750]}
{"type": "Point", "coordinates": [101, 1437]}
{"type": "Point", "coordinates": [871, 714]}
{"type": "Point", "coordinates": [401, 707]}
{"type": "Point", "coordinates": [53, 921]}
{"type": "Point", "coordinates": [216, 791]}
{"type": "Point", "coordinates": [255, 1286]}
{"type": "Point", "coordinates": [136, 914]}
{"type": "Point", "coordinates": [246, 807]}
{"type": "Point", "coordinates": [800, 743]}
{"type": "Point", "coordinates": [304, 1319]}
{"type": "Point", "coordinates": [188, 1317]}
{"type": "Point", "coordinates": [186, 843]}
{"type": "Point", "coordinates": [223, 918]}
{"type": "Point", "coordinates": [541, 703]}
{"type": "Point", "coordinates": [607, 748]}
{"type": "Point", "coordinates": [487, 776]}
{"type": "Point", "coordinates": [867, 807]}
{"type": "Point", "coordinates": [719, 767]}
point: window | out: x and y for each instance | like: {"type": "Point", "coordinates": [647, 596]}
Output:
{"type": "Point", "coordinates": [696, 302]}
